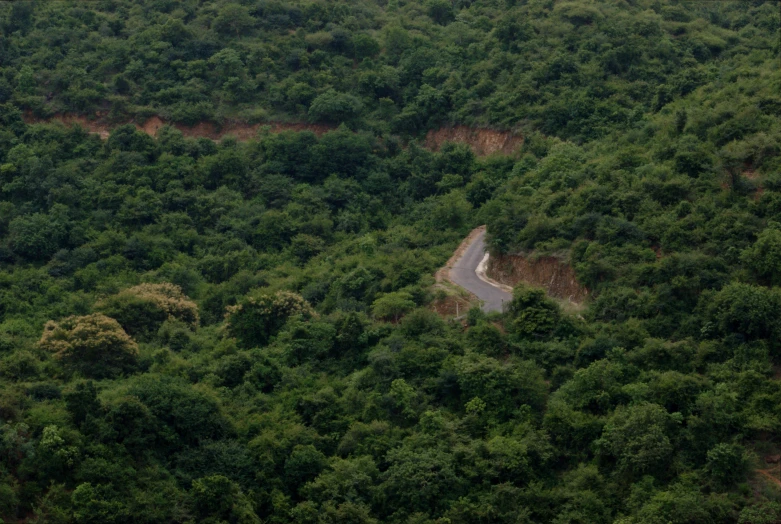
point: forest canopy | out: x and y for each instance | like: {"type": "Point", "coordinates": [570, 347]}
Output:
{"type": "Point", "coordinates": [245, 331]}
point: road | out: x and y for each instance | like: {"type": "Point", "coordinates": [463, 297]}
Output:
{"type": "Point", "coordinates": [464, 273]}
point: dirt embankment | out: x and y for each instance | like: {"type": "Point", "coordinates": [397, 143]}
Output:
{"type": "Point", "coordinates": [482, 141]}
{"type": "Point", "coordinates": [239, 130]}
{"type": "Point", "coordinates": [550, 273]}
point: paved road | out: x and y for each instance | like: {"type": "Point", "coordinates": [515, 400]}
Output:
{"type": "Point", "coordinates": [463, 273]}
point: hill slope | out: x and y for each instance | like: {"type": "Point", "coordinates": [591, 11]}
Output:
{"type": "Point", "coordinates": [242, 331]}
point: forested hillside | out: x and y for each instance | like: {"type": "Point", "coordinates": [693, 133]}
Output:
{"type": "Point", "coordinates": [244, 331]}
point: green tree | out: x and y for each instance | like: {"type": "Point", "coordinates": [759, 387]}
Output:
{"type": "Point", "coordinates": [364, 46]}
{"type": "Point", "coordinates": [93, 345]}
{"type": "Point", "coordinates": [638, 437]}
{"type": "Point", "coordinates": [233, 19]}
{"type": "Point", "coordinates": [37, 236]}
{"type": "Point", "coordinates": [393, 305]}
{"type": "Point", "coordinates": [727, 464]}
{"type": "Point", "coordinates": [764, 257]}
{"type": "Point", "coordinates": [258, 317]}
{"type": "Point", "coordinates": [217, 499]}
{"type": "Point", "coordinates": [334, 107]}
{"type": "Point", "coordinates": [141, 310]}
{"type": "Point", "coordinates": [742, 310]}
{"type": "Point", "coordinates": [531, 313]}
{"type": "Point", "coordinates": [82, 402]}
{"type": "Point", "coordinates": [441, 11]}
{"type": "Point", "coordinates": [508, 387]}
{"type": "Point", "coordinates": [303, 465]}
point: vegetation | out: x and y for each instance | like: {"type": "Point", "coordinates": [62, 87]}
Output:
{"type": "Point", "coordinates": [242, 332]}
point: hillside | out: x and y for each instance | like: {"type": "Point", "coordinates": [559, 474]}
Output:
{"type": "Point", "coordinates": [220, 305]}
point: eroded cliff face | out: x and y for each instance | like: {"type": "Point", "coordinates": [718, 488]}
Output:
{"type": "Point", "coordinates": [482, 141]}
{"type": "Point", "coordinates": [549, 273]}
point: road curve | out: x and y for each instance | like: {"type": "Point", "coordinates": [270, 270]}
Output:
{"type": "Point", "coordinates": [464, 273]}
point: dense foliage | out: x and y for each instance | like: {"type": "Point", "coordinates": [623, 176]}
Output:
{"type": "Point", "coordinates": [194, 331]}
{"type": "Point", "coordinates": [572, 69]}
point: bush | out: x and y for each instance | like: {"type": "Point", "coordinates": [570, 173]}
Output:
{"type": "Point", "coordinates": [93, 345]}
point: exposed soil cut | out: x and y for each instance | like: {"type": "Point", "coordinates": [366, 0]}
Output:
{"type": "Point", "coordinates": [549, 273]}
{"type": "Point", "coordinates": [240, 130]}
{"type": "Point", "coordinates": [482, 141]}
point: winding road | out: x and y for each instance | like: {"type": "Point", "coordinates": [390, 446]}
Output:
{"type": "Point", "coordinates": [465, 273]}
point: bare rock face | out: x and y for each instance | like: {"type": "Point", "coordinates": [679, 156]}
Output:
{"type": "Point", "coordinates": [549, 273]}
{"type": "Point", "coordinates": [482, 141]}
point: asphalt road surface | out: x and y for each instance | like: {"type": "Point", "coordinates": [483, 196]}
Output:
{"type": "Point", "coordinates": [464, 274]}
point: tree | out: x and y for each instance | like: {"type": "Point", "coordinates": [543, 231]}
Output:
{"type": "Point", "coordinates": [346, 480]}
{"type": "Point", "coordinates": [441, 11]}
{"type": "Point", "coordinates": [334, 107]}
{"type": "Point", "coordinates": [504, 386]}
{"type": "Point", "coordinates": [93, 345]}
{"type": "Point", "coordinates": [727, 464]}
{"type": "Point", "coordinates": [257, 318]}
{"type": "Point", "coordinates": [142, 309]}
{"type": "Point", "coordinates": [393, 305]}
{"type": "Point", "coordinates": [305, 247]}
{"type": "Point", "coordinates": [217, 499]}
{"type": "Point", "coordinates": [531, 313]}
{"type": "Point", "coordinates": [420, 480]}
{"type": "Point", "coordinates": [184, 416]}
{"type": "Point", "coordinates": [233, 18]}
{"type": "Point", "coordinates": [37, 236]}
{"type": "Point", "coordinates": [638, 438]}
{"type": "Point", "coordinates": [742, 310]}
{"type": "Point", "coordinates": [764, 257]}
{"type": "Point", "coordinates": [303, 465]}
{"type": "Point", "coordinates": [82, 402]}
{"type": "Point", "coordinates": [486, 338]}
{"type": "Point", "coordinates": [364, 46]}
